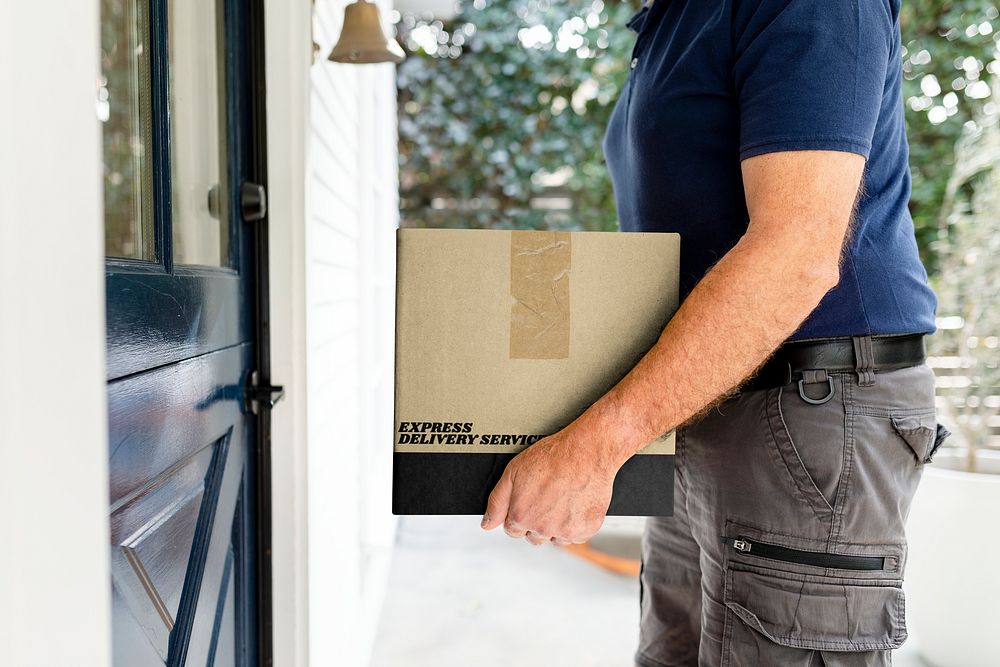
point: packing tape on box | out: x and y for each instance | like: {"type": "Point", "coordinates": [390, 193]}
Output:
{"type": "Point", "coordinates": [540, 266]}
{"type": "Point", "coordinates": [540, 270]}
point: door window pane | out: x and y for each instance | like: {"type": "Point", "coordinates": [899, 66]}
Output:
{"type": "Point", "coordinates": [198, 133]}
{"type": "Point", "coordinates": [123, 94]}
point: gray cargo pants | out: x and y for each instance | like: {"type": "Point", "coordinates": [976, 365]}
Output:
{"type": "Point", "coordinates": [772, 492]}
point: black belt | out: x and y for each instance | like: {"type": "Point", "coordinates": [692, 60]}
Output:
{"type": "Point", "coordinates": [864, 355]}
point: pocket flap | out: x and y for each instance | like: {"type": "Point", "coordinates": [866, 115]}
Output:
{"type": "Point", "coordinates": [919, 432]}
{"type": "Point", "coordinates": [817, 612]}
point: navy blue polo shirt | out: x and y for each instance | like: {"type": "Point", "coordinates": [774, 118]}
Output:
{"type": "Point", "coordinates": [713, 83]}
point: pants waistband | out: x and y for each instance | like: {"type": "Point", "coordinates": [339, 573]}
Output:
{"type": "Point", "coordinates": [865, 355]}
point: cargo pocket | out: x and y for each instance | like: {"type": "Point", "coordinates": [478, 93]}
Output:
{"type": "Point", "coordinates": [786, 601]}
{"type": "Point", "coordinates": [921, 432]}
{"type": "Point", "coordinates": [770, 613]}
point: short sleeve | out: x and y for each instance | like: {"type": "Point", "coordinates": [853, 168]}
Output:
{"type": "Point", "coordinates": [809, 74]}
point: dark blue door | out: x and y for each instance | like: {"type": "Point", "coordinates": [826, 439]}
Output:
{"type": "Point", "coordinates": [176, 100]}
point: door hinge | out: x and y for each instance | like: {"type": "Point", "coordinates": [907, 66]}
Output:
{"type": "Point", "coordinates": [261, 396]}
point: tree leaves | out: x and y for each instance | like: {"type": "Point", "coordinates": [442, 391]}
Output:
{"type": "Point", "coordinates": [514, 122]}
{"type": "Point", "coordinates": [503, 109]}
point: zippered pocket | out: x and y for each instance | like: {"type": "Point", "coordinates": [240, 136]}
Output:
{"type": "Point", "coordinates": [752, 547]}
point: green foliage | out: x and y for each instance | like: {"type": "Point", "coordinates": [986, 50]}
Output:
{"type": "Point", "coordinates": [510, 96]}
{"type": "Point", "coordinates": [967, 286]}
{"type": "Point", "coordinates": [949, 51]}
{"type": "Point", "coordinates": [488, 111]}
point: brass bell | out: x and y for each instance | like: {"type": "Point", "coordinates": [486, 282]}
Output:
{"type": "Point", "coordinates": [362, 39]}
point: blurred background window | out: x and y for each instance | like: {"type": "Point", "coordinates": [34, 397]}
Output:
{"type": "Point", "coordinates": [198, 158]}
{"type": "Point", "coordinates": [123, 107]}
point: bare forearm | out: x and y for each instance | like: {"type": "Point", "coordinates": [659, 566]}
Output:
{"type": "Point", "coordinates": [800, 204]}
{"type": "Point", "coordinates": [732, 321]}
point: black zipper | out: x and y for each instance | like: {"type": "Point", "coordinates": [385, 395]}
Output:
{"type": "Point", "coordinates": [815, 558]}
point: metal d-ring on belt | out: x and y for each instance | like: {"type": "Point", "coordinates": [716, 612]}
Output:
{"type": "Point", "coordinates": [813, 361]}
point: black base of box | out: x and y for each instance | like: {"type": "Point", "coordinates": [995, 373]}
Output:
{"type": "Point", "coordinates": [456, 483]}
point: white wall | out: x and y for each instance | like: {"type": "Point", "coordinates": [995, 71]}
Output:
{"type": "Point", "coordinates": [350, 286]}
{"type": "Point", "coordinates": [54, 569]}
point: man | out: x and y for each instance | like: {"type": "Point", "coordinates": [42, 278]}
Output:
{"type": "Point", "coordinates": [770, 134]}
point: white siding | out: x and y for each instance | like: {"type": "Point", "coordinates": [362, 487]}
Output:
{"type": "Point", "coordinates": [352, 213]}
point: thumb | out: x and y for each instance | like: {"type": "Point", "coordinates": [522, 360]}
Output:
{"type": "Point", "coordinates": [496, 506]}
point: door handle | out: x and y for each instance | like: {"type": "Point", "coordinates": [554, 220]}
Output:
{"type": "Point", "coordinates": [253, 201]}
{"type": "Point", "coordinates": [261, 395]}
{"type": "Point", "coordinates": [214, 205]}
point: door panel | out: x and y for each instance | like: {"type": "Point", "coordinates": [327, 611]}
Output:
{"type": "Point", "coordinates": [178, 475]}
{"type": "Point", "coordinates": [193, 403]}
{"type": "Point", "coordinates": [155, 318]}
{"type": "Point", "coordinates": [150, 562]}
{"type": "Point", "coordinates": [180, 335]}
{"type": "Point", "coordinates": [224, 632]}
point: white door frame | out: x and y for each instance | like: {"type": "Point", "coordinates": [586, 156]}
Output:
{"type": "Point", "coordinates": [55, 605]}
{"type": "Point", "coordinates": [288, 54]}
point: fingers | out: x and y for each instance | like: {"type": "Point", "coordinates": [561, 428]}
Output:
{"type": "Point", "coordinates": [535, 538]}
{"type": "Point", "coordinates": [540, 538]}
{"type": "Point", "coordinates": [514, 529]}
{"type": "Point", "coordinates": [517, 531]}
{"type": "Point", "coordinates": [496, 506]}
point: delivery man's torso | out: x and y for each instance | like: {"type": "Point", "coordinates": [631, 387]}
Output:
{"type": "Point", "coordinates": [701, 96]}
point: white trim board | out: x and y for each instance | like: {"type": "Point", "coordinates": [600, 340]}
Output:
{"type": "Point", "coordinates": [55, 588]}
{"type": "Point", "coordinates": [288, 55]}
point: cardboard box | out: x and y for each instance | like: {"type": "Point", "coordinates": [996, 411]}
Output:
{"type": "Point", "coordinates": [503, 337]}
